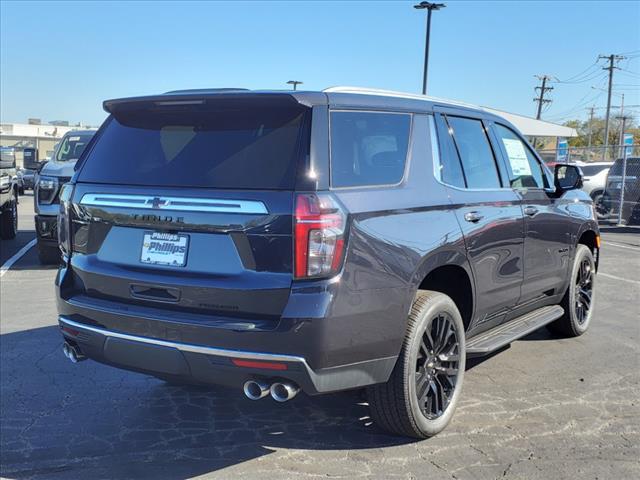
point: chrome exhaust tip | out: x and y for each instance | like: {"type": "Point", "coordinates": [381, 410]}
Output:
{"type": "Point", "coordinates": [73, 353]}
{"type": "Point", "coordinates": [283, 391]}
{"type": "Point", "coordinates": [255, 389]}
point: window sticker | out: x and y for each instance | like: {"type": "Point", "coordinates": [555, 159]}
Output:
{"type": "Point", "coordinates": [517, 157]}
{"type": "Point", "coordinates": [74, 139]}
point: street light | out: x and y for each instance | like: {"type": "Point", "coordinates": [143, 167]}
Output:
{"type": "Point", "coordinates": [295, 83]}
{"type": "Point", "coordinates": [429, 7]}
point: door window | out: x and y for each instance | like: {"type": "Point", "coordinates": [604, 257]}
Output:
{"type": "Point", "coordinates": [524, 169]}
{"type": "Point", "coordinates": [474, 150]}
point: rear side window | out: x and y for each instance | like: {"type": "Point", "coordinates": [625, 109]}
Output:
{"type": "Point", "coordinates": [524, 170]}
{"type": "Point", "coordinates": [232, 146]}
{"type": "Point", "coordinates": [475, 152]}
{"type": "Point", "coordinates": [368, 148]}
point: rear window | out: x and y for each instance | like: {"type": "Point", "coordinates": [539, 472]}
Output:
{"type": "Point", "coordinates": [368, 148]}
{"type": "Point", "coordinates": [233, 146]}
{"type": "Point", "coordinates": [633, 167]}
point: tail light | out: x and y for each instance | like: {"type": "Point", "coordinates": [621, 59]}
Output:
{"type": "Point", "coordinates": [64, 220]}
{"type": "Point", "coordinates": [319, 227]}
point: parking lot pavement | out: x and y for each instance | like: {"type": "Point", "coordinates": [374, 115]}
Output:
{"type": "Point", "coordinates": [544, 408]}
{"type": "Point", "coordinates": [26, 228]}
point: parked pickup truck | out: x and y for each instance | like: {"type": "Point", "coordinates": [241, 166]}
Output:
{"type": "Point", "coordinates": [9, 190]}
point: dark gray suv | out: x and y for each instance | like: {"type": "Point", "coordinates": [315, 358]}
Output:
{"type": "Point", "coordinates": [318, 241]}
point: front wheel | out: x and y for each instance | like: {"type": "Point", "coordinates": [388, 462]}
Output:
{"type": "Point", "coordinates": [9, 220]}
{"type": "Point", "coordinates": [421, 395]}
{"type": "Point", "coordinates": [578, 299]}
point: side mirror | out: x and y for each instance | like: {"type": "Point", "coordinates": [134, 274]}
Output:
{"type": "Point", "coordinates": [567, 177]}
{"type": "Point", "coordinates": [41, 165]}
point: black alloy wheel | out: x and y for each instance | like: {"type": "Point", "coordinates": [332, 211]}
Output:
{"type": "Point", "coordinates": [437, 366]}
{"type": "Point", "coordinates": [584, 290]}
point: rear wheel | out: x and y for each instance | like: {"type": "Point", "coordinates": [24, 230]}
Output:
{"type": "Point", "coordinates": [422, 393]}
{"type": "Point", "coordinates": [48, 254]}
{"type": "Point", "coordinates": [578, 299]}
{"type": "Point", "coordinates": [9, 220]}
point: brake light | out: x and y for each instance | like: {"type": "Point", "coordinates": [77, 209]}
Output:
{"type": "Point", "coordinates": [319, 235]}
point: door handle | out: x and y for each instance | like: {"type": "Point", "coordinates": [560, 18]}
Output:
{"type": "Point", "coordinates": [473, 217]}
{"type": "Point", "coordinates": [531, 211]}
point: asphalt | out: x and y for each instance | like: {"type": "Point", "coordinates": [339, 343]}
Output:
{"type": "Point", "coordinates": [545, 408]}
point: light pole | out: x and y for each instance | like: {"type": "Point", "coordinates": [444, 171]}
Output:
{"type": "Point", "coordinates": [295, 83]}
{"type": "Point", "coordinates": [430, 7]}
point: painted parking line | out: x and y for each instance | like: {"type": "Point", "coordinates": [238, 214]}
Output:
{"type": "Point", "coordinates": [628, 247]}
{"type": "Point", "coordinates": [7, 265]}
{"type": "Point", "coordinates": [635, 282]}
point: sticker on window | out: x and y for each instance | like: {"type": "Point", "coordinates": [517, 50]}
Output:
{"type": "Point", "coordinates": [517, 157]}
{"type": "Point", "coordinates": [74, 139]}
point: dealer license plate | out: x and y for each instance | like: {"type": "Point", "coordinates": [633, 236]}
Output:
{"type": "Point", "coordinates": [160, 248]}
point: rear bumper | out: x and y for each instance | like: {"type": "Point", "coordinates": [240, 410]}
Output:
{"type": "Point", "coordinates": [204, 364]}
{"type": "Point", "coordinates": [326, 339]}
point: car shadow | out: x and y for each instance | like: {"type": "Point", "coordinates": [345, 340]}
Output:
{"type": "Point", "coordinates": [78, 419]}
{"type": "Point", "coordinates": [9, 248]}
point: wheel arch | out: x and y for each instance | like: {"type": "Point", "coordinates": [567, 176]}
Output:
{"type": "Point", "coordinates": [590, 237]}
{"type": "Point", "coordinates": [448, 271]}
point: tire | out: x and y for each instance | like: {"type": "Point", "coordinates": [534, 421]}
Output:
{"type": "Point", "coordinates": [599, 206]}
{"type": "Point", "coordinates": [48, 255]}
{"type": "Point", "coordinates": [578, 300]}
{"type": "Point", "coordinates": [9, 220]}
{"type": "Point", "coordinates": [394, 405]}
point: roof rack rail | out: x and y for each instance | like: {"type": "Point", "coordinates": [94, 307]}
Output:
{"type": "Point", "coordinates": [196, 91]}
{"type": "Point", "coordinates": [394, 93]}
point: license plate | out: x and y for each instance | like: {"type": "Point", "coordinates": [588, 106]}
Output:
{"type": "Point", "coordinates": [164, 249]}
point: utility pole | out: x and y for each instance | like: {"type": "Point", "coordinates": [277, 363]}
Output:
{"type": "Point", "coordinates": [590, 125]}
{"type": "Point", "coordinates": [540, 99]}
{"type": "Point", "coordinates": [543, 89]}
{"type": "Point", "coordinates": [429, 7]}
{"type": "Point", "coordinates": [295, 83]}
{"type": "Point", "coordinates": [612, 59]}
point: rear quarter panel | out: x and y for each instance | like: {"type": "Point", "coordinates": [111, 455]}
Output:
{"type": "Point", "coordinates": [397, 236]}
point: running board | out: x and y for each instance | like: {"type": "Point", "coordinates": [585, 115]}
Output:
{"type": "Point", "coordinates": [491, 340]}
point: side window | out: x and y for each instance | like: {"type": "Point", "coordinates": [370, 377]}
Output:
{"type": "Point", "coordinates": [450, 168]}
{"type": "Point", "coordinates": [368, 148]}
{"type": "Point", "coordinates": [524, 169]}
{"type": "Point", "coordinates": [475, 152]}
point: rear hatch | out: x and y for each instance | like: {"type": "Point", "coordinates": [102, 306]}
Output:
{"type": "Point", "coordinates": [186, 205]}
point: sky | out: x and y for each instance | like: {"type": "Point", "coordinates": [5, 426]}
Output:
{"type": "Point", "coordinates": [60, 60]}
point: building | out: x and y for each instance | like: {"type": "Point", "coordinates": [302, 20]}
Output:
{"type": "Point", "coordinates": [33, 135]}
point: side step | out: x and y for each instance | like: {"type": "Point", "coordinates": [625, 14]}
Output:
{"type": "Point", "coordinates": [491, 340]}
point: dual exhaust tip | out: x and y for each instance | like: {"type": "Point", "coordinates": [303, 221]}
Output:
{"type": "Point", "coordinates": [73, 353]}
{"type": "Point", "coordinates": [280, 391]}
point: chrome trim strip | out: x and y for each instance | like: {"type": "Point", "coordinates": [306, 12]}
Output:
{"type": "Point", "coordinates": [181, 204]}
{"type": "Point", "coordinates": [186, 347]}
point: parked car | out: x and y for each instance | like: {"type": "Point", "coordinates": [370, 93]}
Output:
{"type": "Point", "coordinates": [318, 241]}
{"type": "Point", "coordinates": [28, 179]}
{"type": "Point", "coordinates": [8, 194]}
{"type": "Point", "coordinates": [49, 180]}
{"type": "Point", "coordinates": [595, 181]}
{"type": "Point", "coordinates": [611, 198]}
